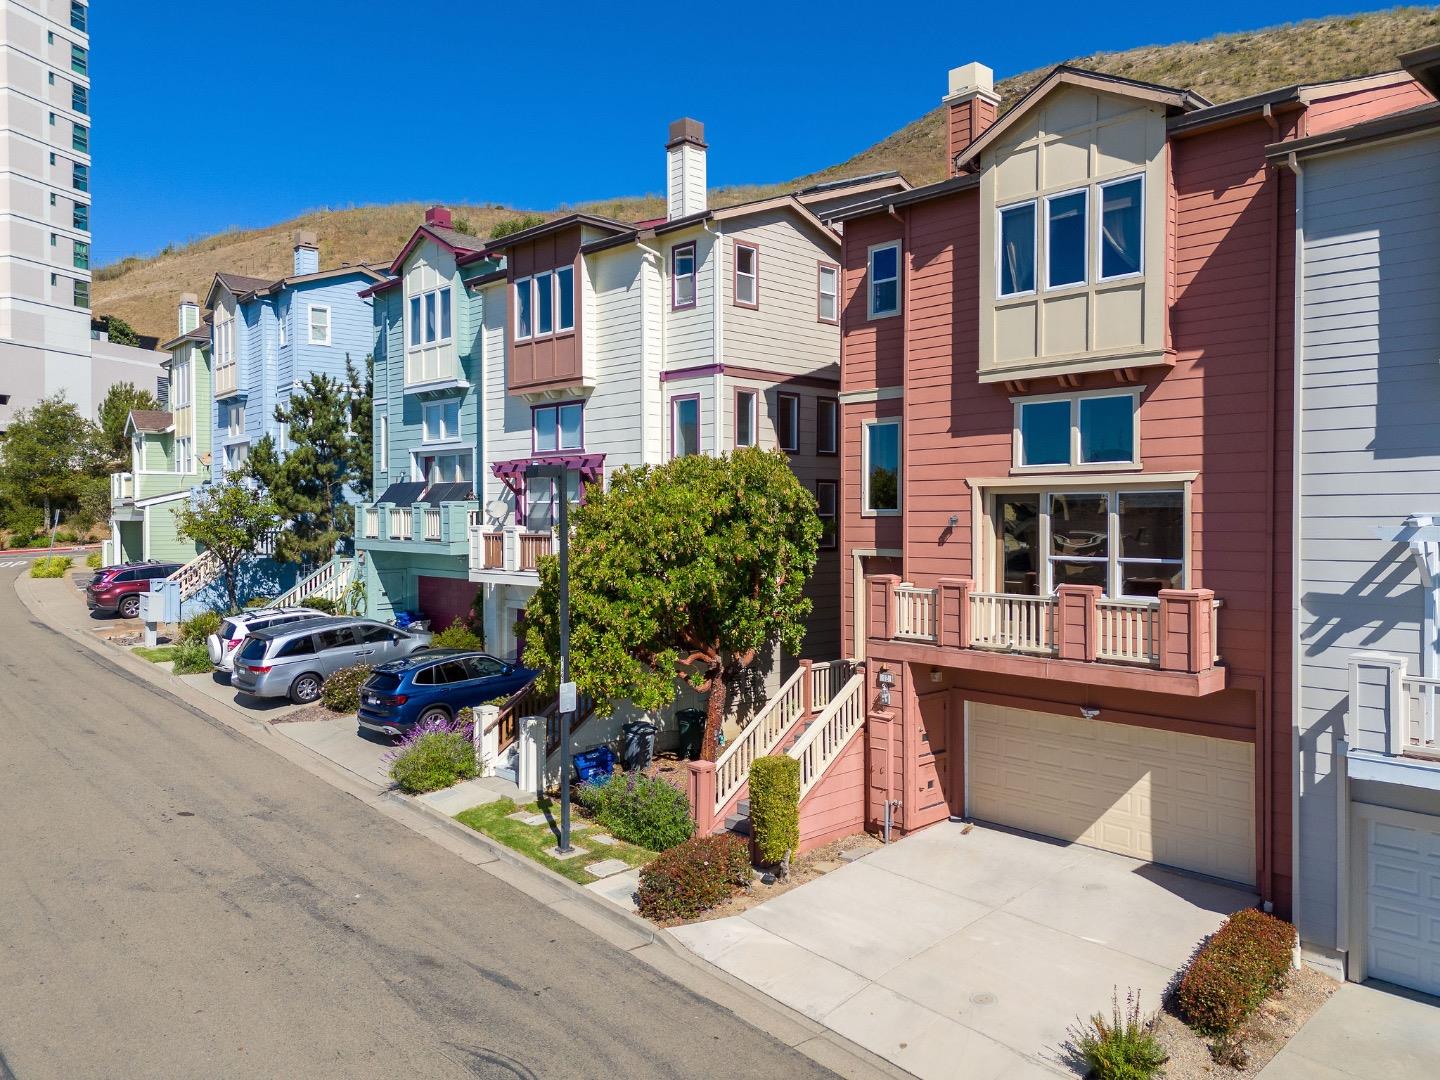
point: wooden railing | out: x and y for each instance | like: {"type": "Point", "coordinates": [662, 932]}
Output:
{"type": "Point", "coordinates": [1419, 724]}
{"type": "Point", "coordinates": [758, 738]}
{"type": "Point", "coordinates": [533, 546]}
{"type": "Point", "coordinates": [1007, 621]}
{"type": "Point", "coordinates": [327, 583]}
{"type": "Point", "coordinates": [432, 524]}
{"type": "Point", "coordinates": [1129, 631]}
{"type": "Point", "coordinates": [493, 550]}
{"type": "Point", "coordinates": [401, 523]}
{"type": "Point", "coordinates": [196, 574]}
{"type": "Point", "coordinates": [529, 701]}
{"type": "Point", "coordinates": [914, 613]}
{"type": "Point", "coordinates": [371, 518]}
{"type": "Point", "coordinates": [830, 733]}
{"type": "Point", "coordinates": [826, 679]}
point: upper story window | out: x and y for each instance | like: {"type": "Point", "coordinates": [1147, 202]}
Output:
{"type": "Point", "coordinates": [745, 404]}
{"type": "Point", "coordinates": [80, 177]}
{"type": "Point", "coordinates": [1074, 430]}
{"type": "Point", "coordinates": [453, 468]}
{"type": "Point", "coordinates": [180, 385]}
{"type": "Point", "coordinates": [828, 294]}
{"type": "Point", "coordinates": [682, 276]}
{"type": "Point", "coordinates": [1017, 250]}
{"type": "Point", "coordinates": [82, 293]}
{"type": "Point", "coordinates": [880, 468]}
{"type": "Point", "coordinates": [883, 275]}
{"type": "Point", "coordinates": [80, 216]}
{"type": "Point", "coordinates": [827, 426]}
{"type": "Point", "coordinates": [79, 61]}
{"type": "Point", "coordinates": [319, 324]}
{"type": "Point", "coordinates": [558, 427]}
{"type": "Point", "coordinates": [1122, 217]}
{"type": "Point", "coordinates": [747, 275]}
{"type": "Point", "coordinates": [80, 138]}
{"type": "Point", "coordinates": [224, 347]}
{"type": "Point", "coordinates": [232, 419]}
{"type": "Point", "coordinates": [1065, 239]}
{"type": "Point", "coordinates": [382, 436]}
{"type": "Point", "coordinates": [184, 455]}
{"type": "Point", "coordinates": [542, 509]}
{"type": "Point", "coordinates": [82, 255]}
{"type": "Point", "coordinates": [524, 310]}
{"type": "Point", "coordinates": [827, 500]}
{"type": "Point", "coordinates": [545, 304]}
{"type": "Point", "coordinates": [80, 99]}
{"type": "Point", "coordinates": [441, 421]}
{"type": "Point", "coordinates": [1118, 230]}
{"type": "Point", "coordinates": [787, 422]}
{"type": "Point", "coordinates": [282, 320]}
{"type": "Point", "coordinates": [430, 317]}
{"type": "Point", "coordinates": [685, 425]}
{"type": "Point", "coordinates": [79, 16]}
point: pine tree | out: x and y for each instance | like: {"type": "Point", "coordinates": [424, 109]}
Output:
{"type": "Point", "coordinates": [114, 413]}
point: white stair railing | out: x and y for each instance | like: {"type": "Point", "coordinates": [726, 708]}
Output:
{"type": "Point", "coordinates": [327, 583]}
{"type": "Point", "coordinates": [830, 732]}
{"type": "Point", "coordinates": [759, 738]}
{"type": "Point", "coordinates": [196, 574]}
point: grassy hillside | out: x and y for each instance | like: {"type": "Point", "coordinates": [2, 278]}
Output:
{"type": "Point", "coordinates": [145, 291]}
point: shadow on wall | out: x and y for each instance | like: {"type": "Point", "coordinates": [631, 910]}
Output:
{"type": "Point", "coordinates": [263, 577]}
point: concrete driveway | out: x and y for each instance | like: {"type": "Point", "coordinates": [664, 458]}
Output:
{"type": "Point", "coordinates": [1363, 1032]}
{"type": "Point", "coordinates": [969, 955]}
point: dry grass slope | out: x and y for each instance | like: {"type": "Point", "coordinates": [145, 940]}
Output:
{"type": "Point", "coordinates": [144, 291]}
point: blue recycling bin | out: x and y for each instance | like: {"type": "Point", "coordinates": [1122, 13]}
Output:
{"type": "Point", "coordinates": [594, 765]}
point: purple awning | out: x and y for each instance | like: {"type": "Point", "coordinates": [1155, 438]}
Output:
{"type": "Point", "coordinates": [589, 466]}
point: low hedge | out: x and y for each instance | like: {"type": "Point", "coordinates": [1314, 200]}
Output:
{"type": "Point", "coordinates": [457, 636]}
{"type": "Point", "coordinates": [692, 878]}
{"type": "Point", "coordinates": [50, 566]}
{"type": "Point", "coordinates": [1242, 964]}
{"type": "Point", "coordinates": [641, 810]}
{"type": "Point", "coordinates": [201, 626]}
{"type": "Point", "coordinates": [341, 692]}
{"type": "Point", "coordinates": [775, 807]}
{"type": "Point", "coordinates": [434, 761]}
{"type": "Point", "coordinates": [93, 560]}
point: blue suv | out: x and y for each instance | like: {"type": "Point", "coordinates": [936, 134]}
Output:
{"type": "Point", "coordinates": [434, 685]}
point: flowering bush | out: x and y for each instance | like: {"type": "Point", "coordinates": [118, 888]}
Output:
{"type": "Point", "coordinates": [693, 877]}
{"type": "Point", "coordinates": [435, 760]}
{"type": "Point", "coordinates": [1242, 964]}
{"type": "Point", "coordinates": [640, 809]}
{"type": "Point", "coordinates": [462, 724]}
{"type": "Point", "coordinates": [342, 690]}
{"type": "Point", "coordinates": [1122, 1047]}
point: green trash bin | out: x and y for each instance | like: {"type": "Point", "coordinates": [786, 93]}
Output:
{"type": "Point", "coordinates": [692, 732]}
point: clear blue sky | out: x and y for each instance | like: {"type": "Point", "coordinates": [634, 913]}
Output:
{"type": "Point", "coordinates": [213, 115]}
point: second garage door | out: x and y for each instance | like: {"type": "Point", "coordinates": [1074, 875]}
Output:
{"type": "Point", "coordinates": [1182, 800]}
{"type": "Point", "coordinates": [1401, 897]}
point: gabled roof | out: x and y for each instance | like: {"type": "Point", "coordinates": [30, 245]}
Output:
{"type": "Point", "coordinates": [238, 284]}
{"type": "Point", "coordinates": [200, 335]}
{"type": "Point", "coordinates": [457, 243]}
{"type": "Point", "coordinates": [1171, 97]}
{"type": "Point", "coordinates": [905, 198]}
{"type": "Point", "coordinates": [149, 421]}
{"type": "Point", "coordinates": [321, 275]}
{"type": "Point", "coordinates": [1424, 67]}
{"type": "Point", "coordinates": [560, 224]}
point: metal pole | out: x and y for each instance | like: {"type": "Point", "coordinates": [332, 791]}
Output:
{"type": "Point", "coordinates": [563, 486]}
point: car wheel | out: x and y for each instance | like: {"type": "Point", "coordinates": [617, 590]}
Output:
{"type": "Point", "coordinates": [130, 607]}
{"type": "Point", "coordinates": [434, 715]}
{"type": "Point", "coordinates": [305, 689]}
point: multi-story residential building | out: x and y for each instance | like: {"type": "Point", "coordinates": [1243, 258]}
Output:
{"type": "Point", "coordinates": [1367, 541]}
{"type": "Point", "coordinates": [45, 206]}
{"type": "Point", "coordinates": [1067, 424]}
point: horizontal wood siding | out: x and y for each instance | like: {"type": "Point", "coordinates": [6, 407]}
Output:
{"type": "Point", "coordinates": [871, 352]}
{"type": "Point", "coordinates": [835, 807]}
{"type": "Point", "coordinates": [689, 332]}
{"type": "Point", "coordinates": [1331, 113]}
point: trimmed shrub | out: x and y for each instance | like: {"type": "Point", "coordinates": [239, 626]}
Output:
{"type": "Point", "coordinates": [320, 603]}
{"type": "Point", "coordinates": [50, 566]}
{"type": "Point", "coordinates": [457, 636]}
{"type": "Point", "coordinates": [1124, 1047]}
{"type": "Point", "coordinates": [693, 877]}
{"type": "Point", "coordinates": [642, 810]}
{"type": "Point", "coordinates": [775, 807]}
{"type": "Point", "coordinates": [1242, 964]}
{"type": "Point", "coordinates": [93, 560]}
{"type": "Point", "coordinates": [341, 692]}
{"type": "Point", "coordinates": [435, 760]}
{"type": "Point", "coordinates": [192, 657]}
{"type": "Point", "coordinates": [199, 627]}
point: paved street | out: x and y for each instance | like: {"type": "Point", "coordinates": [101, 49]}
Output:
{"type": "Point", "coordinates": [179, 902]}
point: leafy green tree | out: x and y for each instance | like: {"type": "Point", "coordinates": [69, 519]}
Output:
{"type": "Point", "coordinates": [693, 568]}
{"type": "Point", "coordinates": [121, 332]}
{"type": "Point", "coordinates": [515, 224]}
{"type": "Point", "coordinates": [329, 452]}
{"type": "Point", "coordinates": [93, 505]}
{"type": "Point", "coordinates": [45, 458]}
{"type": "Point", "coordinates": [120, 400]}
{"type": "Point", "coordinates": [231, 520]}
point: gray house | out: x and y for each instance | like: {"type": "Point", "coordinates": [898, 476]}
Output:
{"type": "Point", "coordinates": [1367, 544]}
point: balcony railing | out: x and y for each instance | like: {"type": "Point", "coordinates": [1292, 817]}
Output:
{"type": "Point", "coordinates": [402, 523]}
{"type": "Point", "coordinates": [420, 522]}
{"type": "Point", "coordinates": [1177, 631]}
{"type": "Point", "coordinates": [122, 487]}
{"type": "Point", "coordinates": [508, 550]}
{"type": "Point", "coordinates": [1391, 713]}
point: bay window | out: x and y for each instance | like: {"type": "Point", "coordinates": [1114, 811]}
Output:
{"type": "Point", "coordinates": [1016, 255]}
{"type": "Point", "coordinates": [1121, 221]}
{"type": "Point", "coordinates": [1118, 231]}
{"type": "Point", "coordinates": [565, 299]}
{"type": "Point", "coordinates": [880, 468]}
{"type": "Point", "coordinates": [1096, 430]}
{"type": "Point", "coordinates": [558, 427]}
{"type": "Point", "coordinates": [523, 310]}
{"type": "Point", "coordinates": [545, 304]}
{"type": "Point", "coordinates": [1065, 217]}
{"type": "Point", "coordinates": [452, 468]}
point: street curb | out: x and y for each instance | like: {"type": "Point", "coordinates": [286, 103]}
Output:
{"type": "Point", "coordinates": [64, 550]}
{"type": "Point", "coordinates": [620, 928]}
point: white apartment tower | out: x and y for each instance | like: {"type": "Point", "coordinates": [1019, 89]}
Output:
{"type": "Point", "coordinates": [45, 342]}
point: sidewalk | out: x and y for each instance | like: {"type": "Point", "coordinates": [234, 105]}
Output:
{"type": "Point", "coordinates": [1364, 1031]}
{"type": "Point", "coordinates": [56, 603]}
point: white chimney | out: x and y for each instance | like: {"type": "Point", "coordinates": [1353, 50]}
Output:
{"type": "Point", "coordinates": [189, 312]}
{"type": "Point", "coordinates": [685, 169]}
{"type": "Point", "coordinates": [307, 253]}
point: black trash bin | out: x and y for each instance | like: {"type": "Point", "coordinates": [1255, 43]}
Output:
{"type": "Point", "coordinates": [692, 732]}
{"type": "Point", "coordinates": [639, 744]}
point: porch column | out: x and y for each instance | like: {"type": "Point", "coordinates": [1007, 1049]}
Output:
{"type": "Point", "coordinates": [953, 619]}
{"type": "Point", "coordinates": [700, 787]}
{"type": "Point", "coordinates": [1186, 643]}
{"type": "Point", "coordinates": [880, 605]}
{"type": "Point", "coordinates": [487, 738]}
{"type": "Point", "coordinates": [1076, 623]}
{"type": "Point", "coordinates": [807, 688]}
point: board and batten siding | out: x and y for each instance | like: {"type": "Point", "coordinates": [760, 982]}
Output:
{"type": "Point", "coordinates": [1369, 455]}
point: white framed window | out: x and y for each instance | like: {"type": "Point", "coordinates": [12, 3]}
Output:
{"type": "Point", "coordinates": [431, 318]}
{"type": "Point", "coordinates": [319, 323]}
{"type": "Point", "coordinates": [450, 468]}
{"type": "Point", "coordinates": [880, 468]}
{"type": "Point", "coordinates": [1066, 252]}
{"type": "Point", "coordinates": [882, 296]}
{"type": "Point", "coordinates": [682, 276]}
{"type": "Point", "coordinates": [827, 426]}
{"type": "Point", "coordinates": [184, 456]}
{"type": "Point", "coordinates": [441, 421]}
{"type": "Point", "coordinates": [747, 275]}
{"type": "Point", "coordinates": [524, 310]}
{"type": "Point", "coordinates": [542, 510]}
{"type": "Point", "coordinates": [684, 425]}
{"type": "Point", "coordinates": [282, 319]}
{"type": "Point", "coordinates": [1130, 541]}
{"type": "Point", "coordinates": [1095, 430]}
{"type": "Point", "coordinates": [544, 304]}
{"type": "Point", "coordinates": [180, 385]}
{"type": "Point", "coordinates": [383, 436]}
{"type": "Point", "coordinates": [236, 455]}
{"type": "Point", "coordinates": [828, 293]}
{"type": "Point", "coordinates": [234, 419]}
{"type": "Point", "coordinates": [827, 501]}
{"type": "Point", "coordinates": [558, 427]}
{"type": "Point", "coordinates": [1015, 252]}
{"type": "Point", "coordinates": [787, 422]}
{"type": "Point", "coordinates": [1120, 228]}
{"type": "Point", "coordinates": [564, 299]}
{"type": "Point", "coordinates": [226, 377]}
{"type": "Point", "coordinates": [745, 404]}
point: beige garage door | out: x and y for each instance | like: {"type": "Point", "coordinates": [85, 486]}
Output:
{"type": "Point", "coordinates": [1181, 800]}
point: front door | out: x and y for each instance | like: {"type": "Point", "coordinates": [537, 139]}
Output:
{"type": "Point", "coordinates": [931, 795]}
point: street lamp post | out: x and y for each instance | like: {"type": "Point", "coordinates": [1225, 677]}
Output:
{"type": "Point", "coordinates": [560, 476]}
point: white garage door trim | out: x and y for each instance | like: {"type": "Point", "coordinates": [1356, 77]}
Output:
{"type": "Point", "coordinates": [1163, 796]}
{"type": "Point", "coordinates": [1405, 965]}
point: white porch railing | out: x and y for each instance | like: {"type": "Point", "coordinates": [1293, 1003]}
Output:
{"type": "Point", "coordinates": [432, 524]}
{"type": "Point", "coordinates": [1008, 621]}
{"type": "Point", "coordinates": [122, 486]}
{"type": "Point", "coordinates": [830, 733]}
{"type": "Point", "coordinates": [401, 523]}
{"type": "Point", "coordinates": [1129, 631]}
{"type": "Point", "coordinates": [826, 679]}
{"type": "Point", "coordinates": [196, 574]}
{"type": "Point", "coordinates": [759, 738]}
{"type": "Point", "coordinates": [327, 583]}
{"type": "Point", "coordinates": [1419, 727]}
{"type": "Point", "coordinates": [371, 521]}
{"type": "Point", "coordinates": [915, 613]}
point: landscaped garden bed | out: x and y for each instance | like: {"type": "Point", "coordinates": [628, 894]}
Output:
{"type": "Point", "coordinates": [497, 821]}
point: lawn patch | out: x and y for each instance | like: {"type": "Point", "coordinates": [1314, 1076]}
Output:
{"type": "Point", "coordinates": [494, 821]}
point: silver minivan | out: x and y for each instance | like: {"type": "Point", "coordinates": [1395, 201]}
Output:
{"type": "Point", "coordinates": [235, 629]}
{"type": "Point", "coordinates": [295, 660]}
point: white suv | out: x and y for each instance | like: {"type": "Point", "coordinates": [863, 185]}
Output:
{"type": "Point", "coordinates": [237, 628]}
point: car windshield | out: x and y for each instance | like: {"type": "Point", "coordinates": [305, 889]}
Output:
{"type": "Point", "coordinates": [229, 629]}
{"type": "Point", "coordinates": [253, 649]}
{"type": "Point", "coordinates": [383, 682]}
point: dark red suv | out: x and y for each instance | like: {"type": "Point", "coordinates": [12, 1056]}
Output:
{"type": "Point", "coordinates": [117, 588]}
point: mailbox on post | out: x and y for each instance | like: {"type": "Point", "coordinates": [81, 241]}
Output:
{"type": "Point", "coordinates": [160, 605]}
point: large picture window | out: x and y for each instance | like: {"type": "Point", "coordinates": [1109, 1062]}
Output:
{"type": "Point", "coordinates": [1118, 230]}
{"type": "Point", "coordinates": [880, 470]}
{"type": "Point", "coordinates": [1077, 430]}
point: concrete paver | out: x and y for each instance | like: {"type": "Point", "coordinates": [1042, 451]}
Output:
{"type": "Point", "coordinates": [606, 867]}
{"type": "Point", "coordinates": [619, 889]}
{"type": "Point", "coordinates": [1364, 1032]}
{"type": "Point", "coordinates": [485, 789]}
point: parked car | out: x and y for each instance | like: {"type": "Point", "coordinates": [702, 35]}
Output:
{"type": "Point", "coordinates": [294, 661]}
{"type": "Point", "coordinates": [237, 628]}
{"type": "Point", "coordinates": [434, 685]}
{"type": "Point", "coordinates": [117, 589]}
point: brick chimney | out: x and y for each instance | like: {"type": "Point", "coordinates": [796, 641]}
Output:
{"type": "Point", "coordinates": [685, 169]}
{"type": "Point", "coordinates": [307, 253]}
{"type": "Point", "coordinates": [189, 312]}
{"type": "Point", "coordinates": [971, 105]}
{"type": "Point", "coordinates": [440, 217]}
